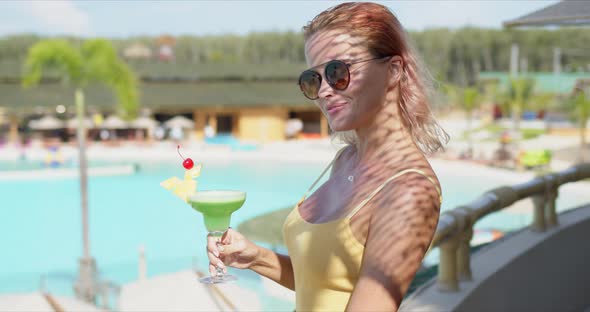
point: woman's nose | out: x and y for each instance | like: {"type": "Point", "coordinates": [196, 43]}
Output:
{"type": "Point", "coordinates": [325, 89]}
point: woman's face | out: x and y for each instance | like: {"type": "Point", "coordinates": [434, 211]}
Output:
{"type": "Point", "coordinates": [356, 106]}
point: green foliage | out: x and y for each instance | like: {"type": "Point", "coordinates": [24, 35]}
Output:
{"type": "Point", "coordinates": [518, 97]}
{"type": "Point", "coordinates": [579, 105]}
{"type": "Point", "coordinates": [455, 56]}
{"type": "Point", "coordinates": [496, 130]}
{"type": "Point", "coordinates": [467, 98]}
{"type": "Point", "coordinates": [528, 134]}
{"type": "Point", "coordinates": [95, 62]}
{"type": "Point", "coordinates": [520, 91]}
{"type": "Point", "coordinates": [53, 55]}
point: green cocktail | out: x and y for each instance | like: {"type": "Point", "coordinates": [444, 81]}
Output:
{"type": "Point", "coordinates": [217, 207]}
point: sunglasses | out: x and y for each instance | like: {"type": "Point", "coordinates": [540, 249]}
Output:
{"type": "Point", "coordinates": [337, 75]}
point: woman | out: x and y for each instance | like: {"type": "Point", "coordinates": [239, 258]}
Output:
{"type": "Point", "coordinates": [356, 243]}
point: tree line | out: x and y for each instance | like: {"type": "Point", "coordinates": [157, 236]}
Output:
{"type": "Point", "coordinates": [454, 56]}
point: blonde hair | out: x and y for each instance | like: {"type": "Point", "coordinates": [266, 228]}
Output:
{"type": "Point", "coordinates": [385, 36]}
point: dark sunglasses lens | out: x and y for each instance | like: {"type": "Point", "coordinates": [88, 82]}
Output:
{"type": "Point", "coordinates": [337, 75]}
{"type": "Point", "coordinates": [310, 82]}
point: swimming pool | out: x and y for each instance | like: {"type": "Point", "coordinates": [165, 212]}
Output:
{"type": "Point", "coordinates": [41, 231]}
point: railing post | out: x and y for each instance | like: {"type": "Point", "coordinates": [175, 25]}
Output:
{"type": "Point", "coordinates": [464, 245]}
{"type": "Point", "coordinates": [538, 224]}
{"type": "Point", "coordinates": [142, 264]}
{"type": "Point", "coordinates": [552, 189]}
{"type": "Point", "coordinates": [447, 268]}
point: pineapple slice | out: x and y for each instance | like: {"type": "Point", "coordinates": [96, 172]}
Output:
{"type": "Point", "coordinates": [171, 183]}
{"type": "Point", "coordinates": [193, 173]}
{"type": "Point", "coordinates": [183, 188]}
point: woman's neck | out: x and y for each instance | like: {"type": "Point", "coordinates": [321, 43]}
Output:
{"type": "Point", "coordinates": [385, 137]}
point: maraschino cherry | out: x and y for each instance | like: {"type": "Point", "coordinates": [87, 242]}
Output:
{"type": "Point", "coordinates": [187, 163]}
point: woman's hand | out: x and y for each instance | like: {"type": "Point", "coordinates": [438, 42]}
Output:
{"type": "Point", "coordinates": [234, 250]}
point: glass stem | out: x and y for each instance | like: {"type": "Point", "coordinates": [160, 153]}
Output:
{"type": "Point", "coordinates": [218, 272]}
{"type": "Point", "coordinates": [217, 234]}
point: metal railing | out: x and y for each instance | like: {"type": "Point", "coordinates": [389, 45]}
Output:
{"type": "Point", "coordinates": [455, 228]}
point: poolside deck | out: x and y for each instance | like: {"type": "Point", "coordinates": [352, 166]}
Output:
{"type": "Point", "coordinates": [181, 291]}
{"type": "Point", "coordinates": [32, 302]}
{"type": "Point", "coordinates": [525, 271]}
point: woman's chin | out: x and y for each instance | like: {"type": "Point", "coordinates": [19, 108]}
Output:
{"type": "Point", "coordinates": [340, 127]}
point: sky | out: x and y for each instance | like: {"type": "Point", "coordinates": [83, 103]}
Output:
{"type": "Point", "coordinates": [120, 19]}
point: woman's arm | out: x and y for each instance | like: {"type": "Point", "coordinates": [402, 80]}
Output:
{"type": "Point", "coordinates": [238, 252]}
{"type": "Point", "coordinates": [400, 230]}
{"type": "Point", "coordinates": [275, 266]}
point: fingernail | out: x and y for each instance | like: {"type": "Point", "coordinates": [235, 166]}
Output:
{"type": "Point", "coordinates": [220, 248]}
{"type": "Point", "coordinates": [216, 253]}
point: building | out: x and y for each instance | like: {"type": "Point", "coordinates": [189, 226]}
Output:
{"type": "Point", "coordinates": [562, 83]}
{"type": "Point", "coordinates": [253, 110]}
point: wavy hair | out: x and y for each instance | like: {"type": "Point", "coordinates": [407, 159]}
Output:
{"type": "Point", "coordinates": [384, 36]}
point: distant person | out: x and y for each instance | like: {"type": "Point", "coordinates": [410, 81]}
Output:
{"type": "Point", "coordinates": [293, 127]}
{"type": "Point", "coordinates": [176, 133]}
{"type": "Point", "coordinates": [209, 131]}
{"type": "Point", "coordinates": [104, 135]}
{"type": "Point", "coordinates": [159, 133]}
{"type": "Point", "coordinates": [357, 242]}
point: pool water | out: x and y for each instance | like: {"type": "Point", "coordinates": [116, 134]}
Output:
{"type": "Point", "coordinates": [36, 165]}
{"type": "Point", "coordinates": [41, 227]}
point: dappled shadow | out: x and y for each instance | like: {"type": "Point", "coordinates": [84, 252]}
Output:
{"type": "Point", "coordinates": [331, 246]}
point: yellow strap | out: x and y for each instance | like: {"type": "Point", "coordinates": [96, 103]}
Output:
{"type": "Point", "coordinates": [359, 206]}
{"type": "Point", "coordinates": [321, 175]}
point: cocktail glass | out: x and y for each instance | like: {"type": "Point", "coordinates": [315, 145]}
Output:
{"type": "Point", "coordinates": [217, 207]}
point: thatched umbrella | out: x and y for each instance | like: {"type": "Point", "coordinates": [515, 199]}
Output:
{"type": "Point", "coordinates": [113, 123]}
{"type": "Point", "coordinates": [178, 125]}
{"type": "Point", "coordinates": [146, 123]}
{"type": "Point", "coordinates": [47, 122]}
{"type": "Point", "coordinates": [73, 123]}
{"type": "Point", "coordinates": [563, 13]}
{"type": "Point", "coordinates": [180, 122]}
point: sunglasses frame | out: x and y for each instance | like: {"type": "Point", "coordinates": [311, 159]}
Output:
{"type": "Point", "coordinates": [332, 85]}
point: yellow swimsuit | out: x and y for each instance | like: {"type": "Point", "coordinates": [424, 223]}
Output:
{"type": "Point", "coordinates": [326, 257]}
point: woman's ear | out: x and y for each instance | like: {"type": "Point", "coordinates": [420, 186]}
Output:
{"type": "Point", "coordinates": [396, 68]}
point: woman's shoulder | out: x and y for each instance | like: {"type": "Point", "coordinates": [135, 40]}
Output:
{"type": "Point", "coordinates": [416, 182]}
{"type": "Point", "coordinates": [343, 155]}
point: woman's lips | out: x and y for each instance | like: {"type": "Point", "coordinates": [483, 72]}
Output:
{"type": "Point", "coordinates": [334, 108]}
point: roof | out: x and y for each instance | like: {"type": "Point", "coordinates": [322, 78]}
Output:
{"type": "Point", "coordinates": [12, 69]}
{"type": "Point", "coordinates": [562, 83]}
{"type": "Point", "coordinates": [561, 13]}
{"type": "Point", "coordinates": [161, 96]}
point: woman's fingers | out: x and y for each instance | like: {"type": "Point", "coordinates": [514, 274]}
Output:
{"type": "Point", "coordinates": [213, 252]}
{"type": "Point", "coordinates": [212, 242]}
{"type": "Point", "coordinates": [215, 260]}
{"type": "Point", "coordinates": [226, 238]}
{"type": "Point", "coordinates": [228, 250]}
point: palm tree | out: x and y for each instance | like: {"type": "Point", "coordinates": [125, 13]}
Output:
{"type": "Point", "coordinates": [95, 61]}
{"type": "Point", "coordinates": [469, 99]}
{"type": "Point", "coordinates": [518, 97]}
{"type": "Point", "coordinates": [581, 109]}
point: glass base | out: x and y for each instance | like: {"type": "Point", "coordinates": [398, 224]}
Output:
{"type": "Point", "coordinates": [218, 279]}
